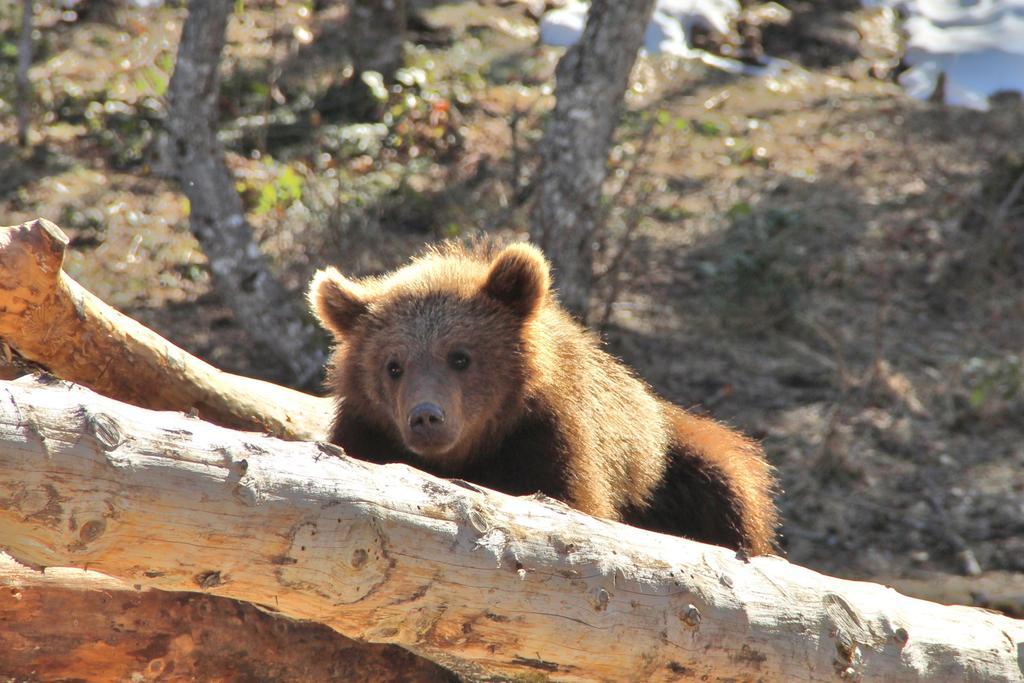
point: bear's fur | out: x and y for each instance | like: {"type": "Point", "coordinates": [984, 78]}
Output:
{"type": "Point", "coordinates": [464, 365]}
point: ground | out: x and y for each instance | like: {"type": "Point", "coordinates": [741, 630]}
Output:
{"type": "Point", "coordinates": [814, 258]}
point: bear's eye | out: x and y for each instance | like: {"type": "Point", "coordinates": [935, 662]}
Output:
{"type": "Point", "coordinates": [394, 369]}
{"type": "Point", "coordinates": [458, 360]}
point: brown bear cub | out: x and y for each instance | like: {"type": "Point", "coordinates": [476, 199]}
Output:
{"type": "Point", "coordinates": [463, 364]}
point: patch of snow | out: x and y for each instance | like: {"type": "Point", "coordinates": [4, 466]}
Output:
{"type": "Point", "coordinates": [977, 44]}
{"type": "Point", "coordinates": [562, 27]}
{"type": "Point", "coordinates": [668, 31]}
{"type": "Point", "coordinates": [716, 15]}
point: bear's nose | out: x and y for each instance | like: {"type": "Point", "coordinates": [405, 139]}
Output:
{"type": "Point", "coordinates": [426, 417]}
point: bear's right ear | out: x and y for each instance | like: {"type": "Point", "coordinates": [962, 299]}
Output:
{"type": "Point", "coordinates": [337, 301]}
{"type": "Point", "coordinates": [519, 278]}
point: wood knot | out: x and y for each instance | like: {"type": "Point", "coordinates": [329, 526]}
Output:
{"type": "Point", "coordinates": [104, 429]}
{"type": "Point", "coordinates": [476, 518]}
{"type": "Point", "coordinates": [691, 617]}
{"type": "Point", "coordinates": [209, 579]}
{"type": "Point", "coordinates": [92, 530]}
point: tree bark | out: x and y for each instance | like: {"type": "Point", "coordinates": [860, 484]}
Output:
{"type": "Point", "coordinates": [24, 86]}
{"type": "Point", "coordinates": [590, 81]}
{"type": "Point", "coordinates": [369, 32]}
{"type": "Point", "coordinates": [487, 584]}
{"type": "Point", "coordinates": [376, 30]}
{"type": "Point", "coordinates": [240, 271]}
{"type": "Point", "coordinates": [70, 624]}
{"type": "Point", "coordinates": [49, 319]}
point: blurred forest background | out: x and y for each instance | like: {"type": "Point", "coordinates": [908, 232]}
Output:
{"type": "Point", "coordinates": [808, 254]}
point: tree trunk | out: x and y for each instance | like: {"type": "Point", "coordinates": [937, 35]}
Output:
{"type": "Point", "coordinates": [49, 319]}
{"type": "Point", "coordinates": [369, 32]}
{"type": "Point", "coordinates": [591, 79]}
{"type": "Point", "coordinates": [70, 624]}
{"type": "Point", "coordinates": [240, 271]}
{"type": "Point", "coordinates": [375, 31]}
{"type": "Point", "coordinates": [485, 583]}
{"type": "Point", "coordinates": [24, 86]}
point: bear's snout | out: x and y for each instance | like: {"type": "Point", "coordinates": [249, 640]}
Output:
{"type": "Point", "coordinates": [426, 418]}
{"type": "Point", "coordinates": [428, 431]}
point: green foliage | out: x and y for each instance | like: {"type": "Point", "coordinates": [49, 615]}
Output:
{"type": "Point", "coordinates": [152, 78]}
{"type": "Point", "coordinates": [286, 189]}
{"type": "Point", "coordinates": [85, 219]}
{"type": "Point", "coordinates": [748, 154]}
{"type": "Point", "coordinates": [247, 87]}
{"type": "Point", "coordinates": [100, 40]}
{"type": "Point", "coordinates": [165, 62]}
{"type": "Point", "coordinates": [122, 131]}
{"type": "Point", "coordinates": [421, 116]}
{"type": "Point", "coordinates": [191, 271]}
{"type": "Point", "coordinates": [42, 50]}
{"type": "Point", "coordinates": [670, 214]}
{"type": "Point", "coordinates": [660, 121]}
{"type": "Point", "coordinates": [739, 211]}
{"type": "Point", "coordinates": [281, 191]}
{"type": "Point", "coordinates": [994, 380]}
{"type": "Point", "coordinates": [708, 129]}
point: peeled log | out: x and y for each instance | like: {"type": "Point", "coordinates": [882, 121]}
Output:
{"type": "Point", "coordinates": [52, 320]}
{"type": "Point", "coordinates": [487, 584]}
{"type": "Point", "coordinates": [72, 624]}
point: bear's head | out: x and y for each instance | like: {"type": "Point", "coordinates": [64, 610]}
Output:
{"type": "Point", "coordinates": [436, 352]}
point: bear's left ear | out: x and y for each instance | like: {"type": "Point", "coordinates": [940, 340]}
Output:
{"type": "Point", "coordinates": [519, 278]}
{"type": "Point", "coordinates": [337, 301]}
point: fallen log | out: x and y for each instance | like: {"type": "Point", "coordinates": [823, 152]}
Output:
{"type": "Point", "coordinates": [50, 319]}
{"type": "Point", "coordinates": [487, 584]}
{"type": "Point", "coordinates": [73, 624]}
